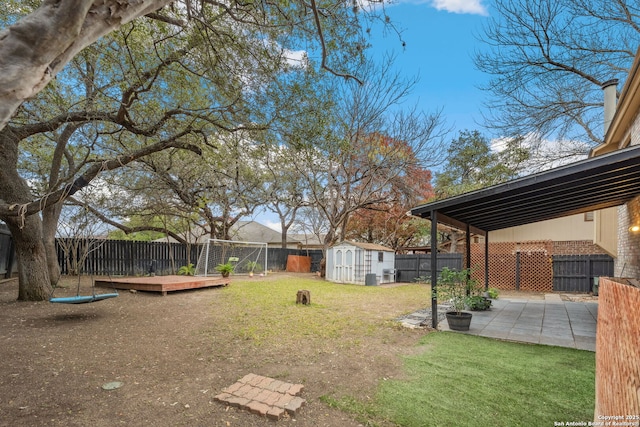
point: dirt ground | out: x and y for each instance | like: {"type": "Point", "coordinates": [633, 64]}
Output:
{"type": "Point", "coordinates": [56, 358]}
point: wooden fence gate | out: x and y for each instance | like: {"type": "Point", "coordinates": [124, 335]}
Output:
{"type": "Point", "coordinates": [575, 273]}
{"type": "Point", "coordinates": [411, 266]}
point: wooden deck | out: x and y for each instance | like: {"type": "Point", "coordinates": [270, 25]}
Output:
{"type": "Point", "coordinates": [162, 284]}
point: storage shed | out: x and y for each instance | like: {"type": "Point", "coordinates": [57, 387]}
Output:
{"type": "Point", "coordinates": [360, 263]}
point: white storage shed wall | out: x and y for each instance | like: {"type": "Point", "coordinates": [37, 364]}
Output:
{"type": "Point", "coordinates": [350, 262]}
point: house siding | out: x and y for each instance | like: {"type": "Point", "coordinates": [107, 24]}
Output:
{"type": "Point", "coordinates": [635, 132]}
{"type": "Point", "coordinates": [572, 227]}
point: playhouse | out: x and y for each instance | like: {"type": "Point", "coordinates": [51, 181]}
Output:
{"type": "Point", "coordinates": [360, 263]}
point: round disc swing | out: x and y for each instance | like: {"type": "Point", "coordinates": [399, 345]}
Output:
{"type": "Point", "coordinates": [82, 299]}
{"type": "Point", "coordinates": [83, 222]}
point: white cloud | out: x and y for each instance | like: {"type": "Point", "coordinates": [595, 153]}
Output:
{"type": "Point", "coordinates": [474, 7]}
{"type": "Point", "coordinates": [296, 58]}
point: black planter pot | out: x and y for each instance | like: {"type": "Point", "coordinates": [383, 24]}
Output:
{"type": "Point", "coordinates": [458, 322]}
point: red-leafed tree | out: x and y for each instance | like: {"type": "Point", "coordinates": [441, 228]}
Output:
{"type": "Point", "coordinates": [387, 222]}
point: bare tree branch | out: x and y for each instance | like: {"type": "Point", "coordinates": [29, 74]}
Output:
{"type": "Point", "coordinates": [548, 60]}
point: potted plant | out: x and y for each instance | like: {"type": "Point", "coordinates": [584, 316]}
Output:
{"type": "Point", "coordinates": [454, 286]}
{"type": "Point", "coordinates": [225, 269]}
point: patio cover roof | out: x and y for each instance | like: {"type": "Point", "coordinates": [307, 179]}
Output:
{"type": "Point", "coordinates": [592, 184]}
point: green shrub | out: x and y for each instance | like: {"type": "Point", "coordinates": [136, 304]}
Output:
{"type": "Point", "coordinates": [454, 286]}
{"type": "Point", "coordinates": [478, 303]}
{"type": "Point", "coordinates": [187, 270]}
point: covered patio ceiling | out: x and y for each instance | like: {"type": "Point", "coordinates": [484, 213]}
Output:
{"type": "Point", "coordinates": [592, 184]}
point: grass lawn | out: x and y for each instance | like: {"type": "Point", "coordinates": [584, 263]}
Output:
{"type": "Point", "coordinates": [451, 379]}
{"type": "Point", "coordinates": [359, 367]}
{"type": "Point", "coordinates": [266, 311]}
{"type": "Point", "coordinates": [462, 380]}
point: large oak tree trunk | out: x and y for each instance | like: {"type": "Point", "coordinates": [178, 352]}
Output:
{"type": "Point", "coordinates": [26, 230]}
{"type": "Point", "coordinates": [33, 274]}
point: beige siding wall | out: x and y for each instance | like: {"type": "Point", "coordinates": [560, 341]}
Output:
{"type": "Point", "coordinates": [635, 132]}
{"type": "Point", "coordinates": [605, 223]}
{"type": "Point", "coordinates": [572, 227]}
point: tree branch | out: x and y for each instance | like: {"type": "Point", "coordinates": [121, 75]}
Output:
{"type": "Point", "coordinates": [82, 181]}
{"type": "Point", "coordinates": [37, 47]}
{"type": "Point", "coordinates": [127, 230]}
{"type": "Point", "coordinates": [323, 45]}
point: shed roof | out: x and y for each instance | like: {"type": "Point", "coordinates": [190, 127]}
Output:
{"type": "Point", "coordinates": [592, 184]}
{"type": "Point", "coordinates": [366, 246]}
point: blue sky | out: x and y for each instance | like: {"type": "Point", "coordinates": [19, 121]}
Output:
{"type": "Point", "coordinates": [441, 37]}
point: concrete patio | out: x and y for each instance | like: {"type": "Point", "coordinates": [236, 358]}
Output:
{"type": "Point", "coordinates": [549, 321]}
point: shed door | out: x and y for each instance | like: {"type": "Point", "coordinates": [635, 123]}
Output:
{"type": "Point", "coordinates": [344, 265]}
{"type": "Point", "coordinates": [338, 266]}
{"type": "Point", "coordinates": [348, 266]}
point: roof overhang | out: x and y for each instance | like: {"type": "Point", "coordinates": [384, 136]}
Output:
{"type": "Point", "coordinates": [596, 183]}
{"type": "Point", "coordinates": [619, 133]}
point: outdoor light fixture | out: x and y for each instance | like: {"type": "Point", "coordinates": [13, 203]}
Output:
{"type": "Point", "coordinates": [634, 228]}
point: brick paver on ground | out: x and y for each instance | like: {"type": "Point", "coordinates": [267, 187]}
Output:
{"type": "Point", "coordinates": [263, 396]}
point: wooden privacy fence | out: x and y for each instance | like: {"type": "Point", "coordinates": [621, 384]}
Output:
{"type": "Point", "coordinates": [124, 257]}
{"type": "Point", "coordinates": [576, 273]}
{"type": "Point", "coordinates": [277, 258]}
{"type": "Point", "coordinates": [135, 258]}
{"type": "Point", "coordinates": [411, 266]}
{"type": "Point", "coordinates": [523, 266]}
{"type": "Point", "coordinates": [533, 266]}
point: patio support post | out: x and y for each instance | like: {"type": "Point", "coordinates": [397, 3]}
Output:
{"type": "Point", "coordinates": [434, 269]}
{"type": "Point", "coordinates": [486, 261]}
{"type": "Point", "coordinates": [467, 241]}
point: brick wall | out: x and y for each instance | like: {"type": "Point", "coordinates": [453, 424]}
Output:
{"type": "Point", "coordinates": [627, 263]}
{"type": "Point", "coordinates": [577, 247]}
{"type": "Point", "coordinates": [617, 350]}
